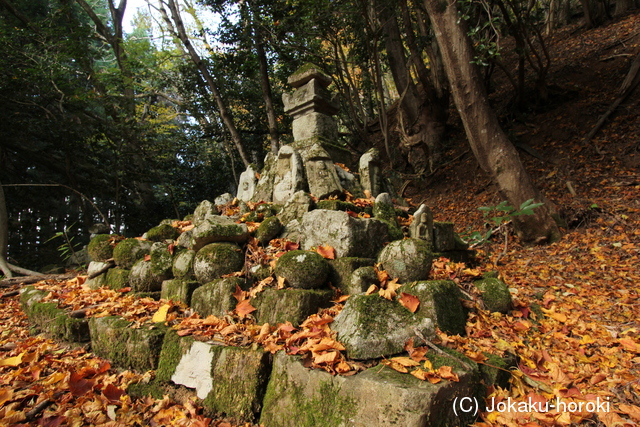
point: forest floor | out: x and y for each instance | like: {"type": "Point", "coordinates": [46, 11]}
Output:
{"type": "Point", "coordinates": [575, 330]}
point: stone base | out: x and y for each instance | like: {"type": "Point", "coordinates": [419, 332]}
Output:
{"type": "Point", "coordinates": [293, 305]}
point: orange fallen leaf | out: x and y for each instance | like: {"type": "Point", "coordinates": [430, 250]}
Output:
{"type": "Point", "coordinates": [395, 366]}
{"type": "Point", "coordinates": [281, 282]}
{"type": "Point", "coordinates": [6, 394]}
{"type": "Point", "coordinates": [410, 302]}
{"type": "Point", "coordinates": [327, 252]}
{"type": "Point", "coordinates": [372, 290]}
{"type": "Point", "coordinates": [630, 345]}
{"type": "Point", "coordinates": [244, 308]}
{"type": "Point", "coordinates": [405, 361]}
{"type": "Point", "coordinates": [446, 373]}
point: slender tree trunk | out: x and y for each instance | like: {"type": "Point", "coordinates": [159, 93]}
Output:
{"type": "Point", "coordinates": [595, 12]}
{"type": "Point", "coordinates": [495, 153]}
{"type": "Point", "coordinates": [225, 114]}
{"type": "Point", "coordinates": [264, 79]}
{"type": "Point", "coordinates": [4, 235]}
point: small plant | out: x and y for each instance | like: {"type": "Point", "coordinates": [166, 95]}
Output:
{"type": "Point", "coordinates": [68, 248]}
{"type": "Point", "coordinates": [497, 218]}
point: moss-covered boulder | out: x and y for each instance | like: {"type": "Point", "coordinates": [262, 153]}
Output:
{"type": "Point", "coordinates": [217, 259]}
{"type": "Point", "coordinates": [214, 229]}
{"type": "Point", "coordinates": [161, 260]}
{"type": "Point", "coordinates": [183, 264]}
{"type": "Point", "coordinates": [216, 297]}
{"type": "Point", "coordinates": [204, 212]}
{"type": "Point", "coordinates": [440, 300]}
{"type": "Point", "coordinates": [143, 279]}
{"type": "Point", "coordinates": [47, 318]}
{"type": "Point", "coordinates": [289, 305]}
{"type": "Point", "coordinates": [407, 260]}
{"type": "Point", "coordinates": [126, 347]}
{"type": "Point", "coordinates": [341, 269]}
{"type": "Point", "coordinates": [370, 326]}
{"type": "Point", "coordinates": [231, 380]}
{"type": "Point", "coordinates": [379, 396]}
{"type": "Point", "coordinates": [269, 229]}
{"type": "Point", "coordinates": [362, 279]}
{"type": "Point", "coordinates": [162, 232]}
{"type": "Point", "coordinates": [179, 290]}
{"type": "Point", "coordinates": [303, 269]}
{"type": "Point", "coordinates": [128, 251]}
{"type": "Point", "coordinates": [495, 294]}
{"type": "Point", "coordinates": [100, 247]}
{"type": "Point", "coordinates": [117, 278]}
{"type": "Point", "coordinates": [299, 204]}
{"type": "Point", "coordinates": [338, 205]}
{"type": "Point", "coordinates": [383, 208]}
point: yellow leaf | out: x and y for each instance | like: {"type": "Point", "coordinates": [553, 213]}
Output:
{"type": "Point", "coordinates": [372, 289]}
{"type": "Point", "coordinates": [405, 361]}
{"type": "Point", "coordinates": [12, 361]}
{"type": "Point", "coordinates": [161, 314]}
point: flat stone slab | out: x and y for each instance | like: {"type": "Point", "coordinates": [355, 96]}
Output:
{"type": "Point", "coordinates": [293, 305]}
{"type": "Point", "coordinates": [377, 397]}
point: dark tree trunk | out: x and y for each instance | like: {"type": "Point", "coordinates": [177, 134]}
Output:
{"type": "Point", "coordinates": [425, 116]}
{"type": "Point", "coordinates": [493, 150]}
{"type": "Point", "coordinates": [595, 12]}
{"type": "Point", "coordinates": [264, 80]}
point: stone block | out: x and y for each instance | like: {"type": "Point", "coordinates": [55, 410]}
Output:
{"type": "Point", "coordinates": [443, 237]}
{"type": "Point", "coordinates": [377, 397]}
{"type": "Point", "coordinates": [179, 290]}
{"type": "Point", "coordinates": [216, 297]}
{"type": "Point", "coordinates": [294, 305]}
{"type": "Point", "coordinates": [341, 271]}
{"type": "Point", "coordinates": [113, 338]}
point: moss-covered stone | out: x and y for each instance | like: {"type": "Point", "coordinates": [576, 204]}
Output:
{"type": "Point", "coordinates": [161, 260]}
{"type": "Point", "coordinates": [162, 232]}
{"type": "Point", "coordinates": [217, 259]}
{"type": "Point", "coordinates": [370, 326]}
{"type": "Point", "coordinates": [216, 297]}
{"type": "Point", "coordinates": [495, 370]}
{"type": "Point", "coordinates": [440, 301]}
{"type": "Point", "coordinates": [395, 232]}
{"type": "Point", "coordinates": [495, 295]}
{"type": "Point", "coordinates": [100, 248]}
{"type": "Point", "coordinates": [179, 290]}
{"type": "Point", "coordinates": [143, 279]}
{"type": "Point", "coordinates": [259, 272]}
{"type": "Point", "coordinates": [443, 236]}
{"type": "Point", "coordinates": [292, 305]}
{"type": "Point", "coordinates": [152, 389]}
{"type": "Point", "coordinates": [173, 348]}
{"type": "Point", "coordinates": [362, 279]}
{"type": "Point", "coordinates": [385, 211]}
{"type": "Point", "coordinates": [117, 278]}
{"type": "Point", "coordinates": [341, 270]}
{"type": "Point", "coordinates": [47, 318]}
{"type": "Point", "coordinates": [125, 347]}
{"type": "Point", "coordinates": [240, 378]}
{"type": "Point", "coordinates": [407, 260]}
{"type": "Point", "coordinates": [183, 265]}
{"type": "Point", "coordinates": [303, 269]}
{"type": "Point", "coordinates": [128, 251]}
{"type": "Point", "coordinates": [269, 229]}
{"type": "Point", "coordinates": [99, 280]}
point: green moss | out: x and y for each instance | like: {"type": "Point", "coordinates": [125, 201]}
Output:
{"type": "Point", "coordinates": [99, 248]}
{"type": "Point", "coordinates": [326, 407]}
{"type": "Point", "coordinates": [217, 259]}
{"type": "Point", "coordinates": [240, 377]}
{"type": "Point", "coordinates": [303, 269]}
{"type": "Point", "coordinates": [117, 278]}
{"type": "Point", "coordinates": [294, 305]}
{"type": "Point", "coordinates": [341, 270]}
{"type": "Point", "coordinates": [442, 299]}
{"type": "Point", "coordinates": [374, 310]}
{"type": "Point", "coordinates": [161, 260]}
{"type": "Point", "coordinates": [395, 232]}
{"type": "Point", "coordinates": [179, 290]}
{"type": "Point", "coordinates": [153, 389]}
{"type": "Point", "coordinates": [128, 251]}
{"type": "Point", "coordinates": [269, 229]}
{"type": "Point", "coordinates": [438, 359]}
{"type": "Point", "coordinates": [173, 348]}
{"type": "Point", "coordinates": [495, 295]}
{"type": "Point", "coordinates": [162, 232]}
{"type": "Point", "coordinates": [128, 348]}
{"type": "Point", "coordinates": [56, 323]}
{"type": "Point", "coordinates": [495, 370]}
{"type": "Point", "coordinates": [308, 67]}
{"type": "Point", "coordinates": [385, 212]}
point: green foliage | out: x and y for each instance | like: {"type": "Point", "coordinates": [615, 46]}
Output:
{"type": "Point", "coordinates": [68, 247]}
{"type": "Point", "coordinates": [497, 217]}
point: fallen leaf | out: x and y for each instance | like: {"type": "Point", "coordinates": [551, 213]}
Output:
{"type": "Point", "coordinates": [405, 361]}
{"type": "Point", "coordinates": [410, 302]}
{"type": "Point", "coordinates": [327, 252]}
{"type": "Point", "coordinates": [12, 361]}
{"type": "Point", "coordinates": [244, 308]}
{"type": "Point", "coordinates": [446, 373]}
{"type": "Point", "coordinates": [160, 316]}
{"type": "Point", "coordinates": [372, 290]}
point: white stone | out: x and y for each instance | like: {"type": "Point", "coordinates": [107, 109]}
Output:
{"type": "Point", "coordinates": [247, 186]}
{"type": "Point", "coordinates": [289, 175]}
{"type": "Point", "coordinates": [194, 369]}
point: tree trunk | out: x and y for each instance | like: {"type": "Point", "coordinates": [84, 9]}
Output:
{"type": "Point", "coordinates": [225, 114]}
{"type": "Point", "coordinates": [595, 12]}
{"type": "Point", "coordinates": [622, 6]}
{"type": "Point", "coordinates": [4, 235]}
{"type": "Point", "coordinates": [264, 79]}
{"type": "Point", "coordinates": [493, 150]}
{"type": "Point", "coordinates": [425, 117]}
